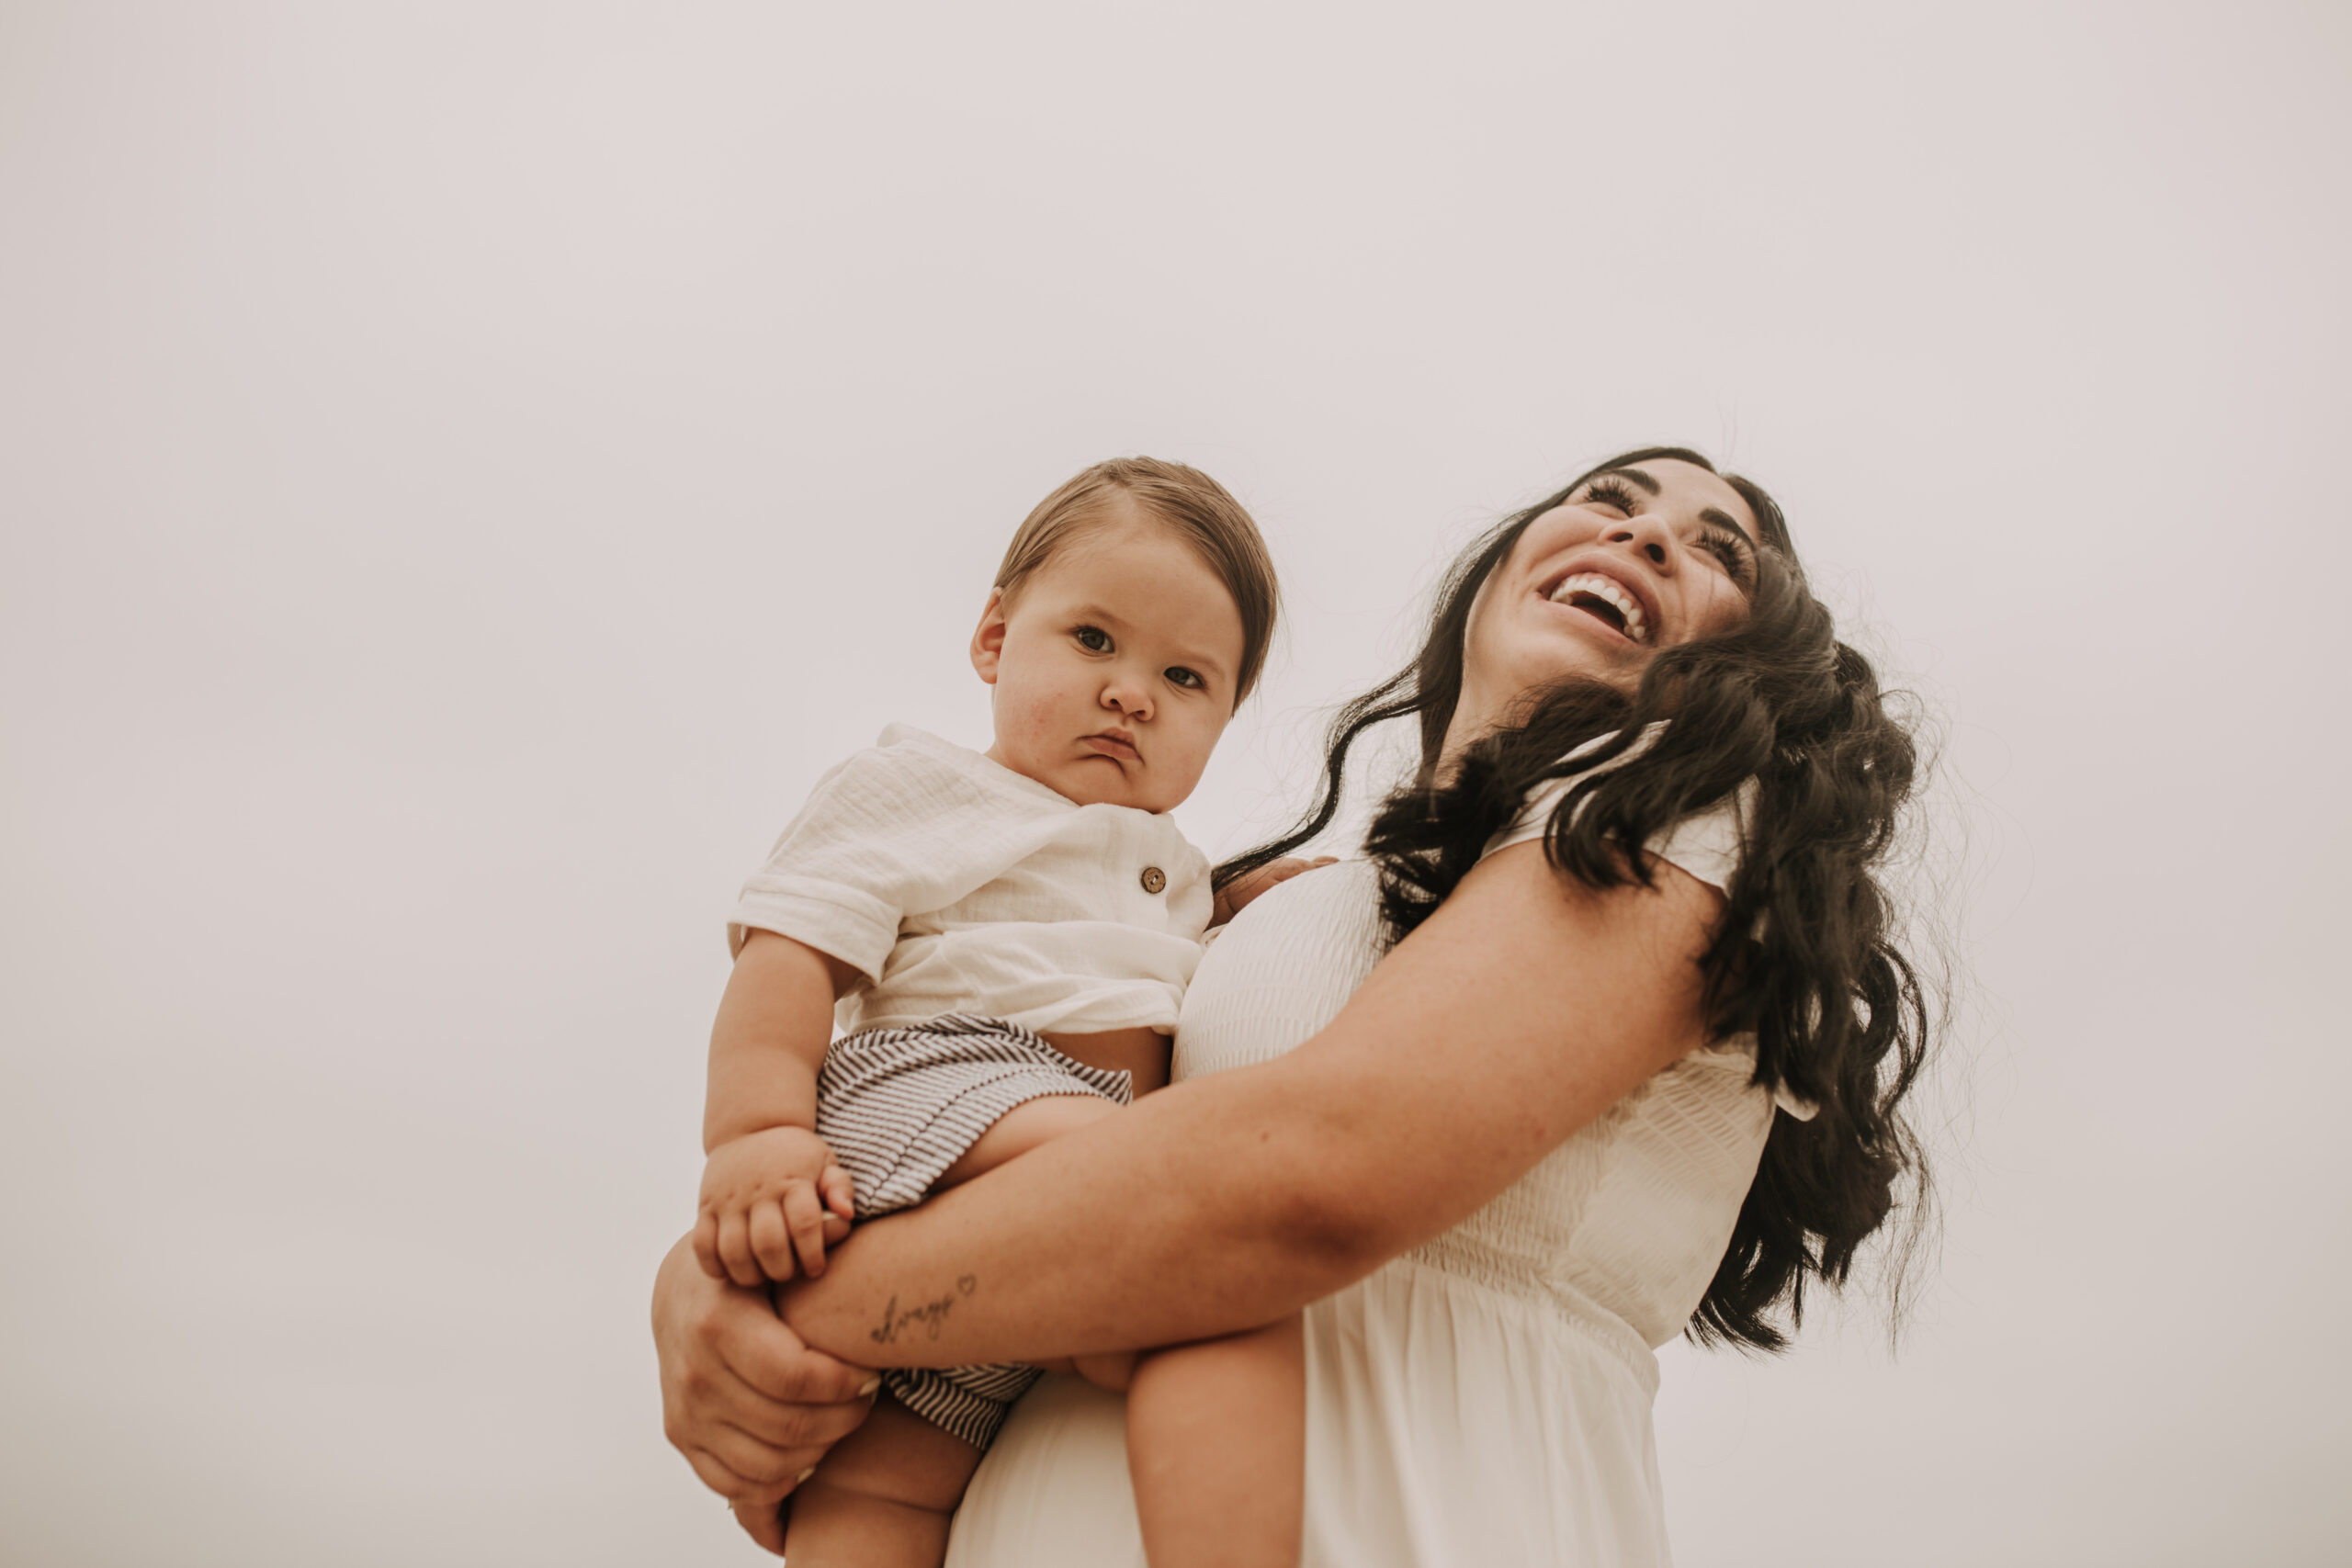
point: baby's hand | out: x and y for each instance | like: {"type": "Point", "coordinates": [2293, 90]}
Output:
{"type": "Point", "coordinates": [771, 1199]}
{"type": "Point", "coordinates": [1236, 894]}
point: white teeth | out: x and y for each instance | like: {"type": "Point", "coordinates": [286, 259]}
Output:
{"type": "Point", "coordinates": [1610, 589]}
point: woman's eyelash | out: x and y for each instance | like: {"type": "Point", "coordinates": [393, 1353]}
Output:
{"type": "Point", "coordinates": [1613, 492]}
{"type": "Point", "coordinates": [1730, 551]}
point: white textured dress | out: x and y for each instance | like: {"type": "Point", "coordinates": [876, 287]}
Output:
{"type": "Point", "coordinates": [1485, 1398]}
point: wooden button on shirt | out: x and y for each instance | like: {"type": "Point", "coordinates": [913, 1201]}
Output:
{"type": "Point", "coordinates": [1154, 879]}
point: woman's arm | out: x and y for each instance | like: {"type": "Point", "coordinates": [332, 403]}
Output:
{"type": "Point", "coordinates": [1520, 1010]}
{"type": "Point", "coordinates": [750, 1408]}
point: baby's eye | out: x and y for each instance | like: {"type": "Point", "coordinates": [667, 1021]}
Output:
{"type": "Point", "coordinates": [1188, 679]}
{"type": "Point", "coordinates": [1095, 639]}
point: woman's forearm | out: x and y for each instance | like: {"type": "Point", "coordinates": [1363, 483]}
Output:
{"type": "Point", "coordinates": [1223, 1202]}
{"type": "Point", "coordinates": [1171, 1221]}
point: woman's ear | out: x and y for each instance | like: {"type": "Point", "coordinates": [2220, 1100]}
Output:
{"type": "Point", "coordinates": [987, 642]}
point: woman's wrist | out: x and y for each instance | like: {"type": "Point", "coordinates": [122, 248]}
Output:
{"type": "Point", "coordinates": [1067, 1250]}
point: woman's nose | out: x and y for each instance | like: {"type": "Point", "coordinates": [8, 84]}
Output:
{"type": "Point", "coordinates": [1647, 536]}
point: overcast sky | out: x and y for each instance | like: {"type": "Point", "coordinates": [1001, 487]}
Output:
{"type": "Point", "coordinates": [465, 470]}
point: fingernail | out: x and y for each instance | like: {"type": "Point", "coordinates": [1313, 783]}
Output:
{"type": "Point", "coordinates": [869, 1385]}
{"type": "Point", "coordinates": [803, 1475]}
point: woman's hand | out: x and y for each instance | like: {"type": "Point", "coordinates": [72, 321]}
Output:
{"type": "Point", "coordinates": [1236, 895]}
{"type": "Point", "coordinates": [751, 1406]}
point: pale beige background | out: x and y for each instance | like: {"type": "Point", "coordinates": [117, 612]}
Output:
{"type": "Point", "coordinates": [465, 470]}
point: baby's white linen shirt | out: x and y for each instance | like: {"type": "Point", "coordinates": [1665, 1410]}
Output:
{"type": "Point", "coordinates": [955, 885]}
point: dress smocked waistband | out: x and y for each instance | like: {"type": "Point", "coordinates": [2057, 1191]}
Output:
{"type": "Point", "coordinates": [1547, 1304]}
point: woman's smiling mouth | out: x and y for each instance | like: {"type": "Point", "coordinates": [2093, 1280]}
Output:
{"type": "Point", "coordinates": [1606, 601]}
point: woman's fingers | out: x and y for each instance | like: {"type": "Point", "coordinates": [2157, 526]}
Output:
{"type": "Point", "coordinates": [744, 1444]}
{"type": "Point", "coordinates": [758, 1469]}
{"type": "Point", "coordinates": [789, 1423]}
{"type": "Point", "coordinates": [767, 1464]}
{"type": "Point", "coordinates": [768, 1360]}
{"type": "Point", "coordinates": [804, 1217]}
{"type": "Point", "coordinates": [771, 1240]}
{"type": "Point", "coordinates": [736, 1463]}
{"type": "Point", "coordinates": [748, 1404]}
{"type": "Point", "coordinates": [713, 1474]}
{"type": "Point", "coordinates": [801, 1432]}
{"type": "Point", "coordinates": [764, 1522]}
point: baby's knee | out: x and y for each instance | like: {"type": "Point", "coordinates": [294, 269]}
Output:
{"type": "Point", "coordinates": [1112, 1371]}
{"type": "Point", "coordinates": [886, 1495]}
{"type": "Point", "coordinates": [899, 1458]}
{"type": "Point", "coordinates": [836, 1526]}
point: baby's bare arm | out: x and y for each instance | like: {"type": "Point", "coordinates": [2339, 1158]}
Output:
{"type": "Point", "coordinates": [772, 1196]}
{"type": "Point", "coordinates": [774, 1022]}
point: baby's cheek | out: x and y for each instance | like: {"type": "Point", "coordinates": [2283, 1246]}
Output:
{"type": "Point", "coordinates": [1184, 763]}
{"type": "Point", "coordinates": [1031, 714]}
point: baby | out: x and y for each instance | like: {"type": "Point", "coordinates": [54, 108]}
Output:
{"type": "Point", "coordinates": [1005, 939]}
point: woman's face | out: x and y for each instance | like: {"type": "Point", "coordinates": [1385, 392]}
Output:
{"type": "Point", "coordinates": [1638, 558]}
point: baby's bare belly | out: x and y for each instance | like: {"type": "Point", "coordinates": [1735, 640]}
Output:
{"type": "Point", "coordinates": [1140, 1053]}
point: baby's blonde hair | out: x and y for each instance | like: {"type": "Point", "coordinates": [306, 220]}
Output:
{"type": "Point", "coordinates": [1187, 502]}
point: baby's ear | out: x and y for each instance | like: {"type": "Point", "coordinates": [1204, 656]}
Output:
{"type": "Point", "coordinates": [987, 642]}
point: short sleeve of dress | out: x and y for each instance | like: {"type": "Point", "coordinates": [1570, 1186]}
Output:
{"type": "Point", "coordinates": [897, 829]}
{"type": "Point", "coordinates": [1706, 844]}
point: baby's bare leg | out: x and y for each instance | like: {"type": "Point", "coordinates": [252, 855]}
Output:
{"type": "Point", "coordinates": [883, 1498]}
{"type": "Point", "coordinates": [1022, 1128]}
{"type": "Point", "coordinates": [886, 1494]}
{"type": "Point", "coordinates": [1017, 1132]}
{"type": "Point", "coordinates": [1217, 1444]}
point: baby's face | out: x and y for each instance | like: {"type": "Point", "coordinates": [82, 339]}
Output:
{"type": "Point", "coordinates": [1113, 668]}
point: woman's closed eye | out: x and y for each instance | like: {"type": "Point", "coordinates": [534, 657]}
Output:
{"type": "Point", "coordinates": [1721, 543]}
{"type": "Point", "coordinates": [1733, 551]}
{"type": "Point", "coordinates": [1614, 493]}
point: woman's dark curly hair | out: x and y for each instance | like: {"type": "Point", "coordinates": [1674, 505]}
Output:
{"type": "Point", "coordinates": [1805, 953]}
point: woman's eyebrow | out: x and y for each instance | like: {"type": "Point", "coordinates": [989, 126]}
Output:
{"type": "Point", "coordinates": [1639, 478]}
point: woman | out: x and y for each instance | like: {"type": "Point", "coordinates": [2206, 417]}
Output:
{"type": "Point", "coordinates": [1540, 1139]}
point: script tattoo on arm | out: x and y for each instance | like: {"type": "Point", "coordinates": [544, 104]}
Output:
{"type": "Point", "coordinates": [927, 1316]}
